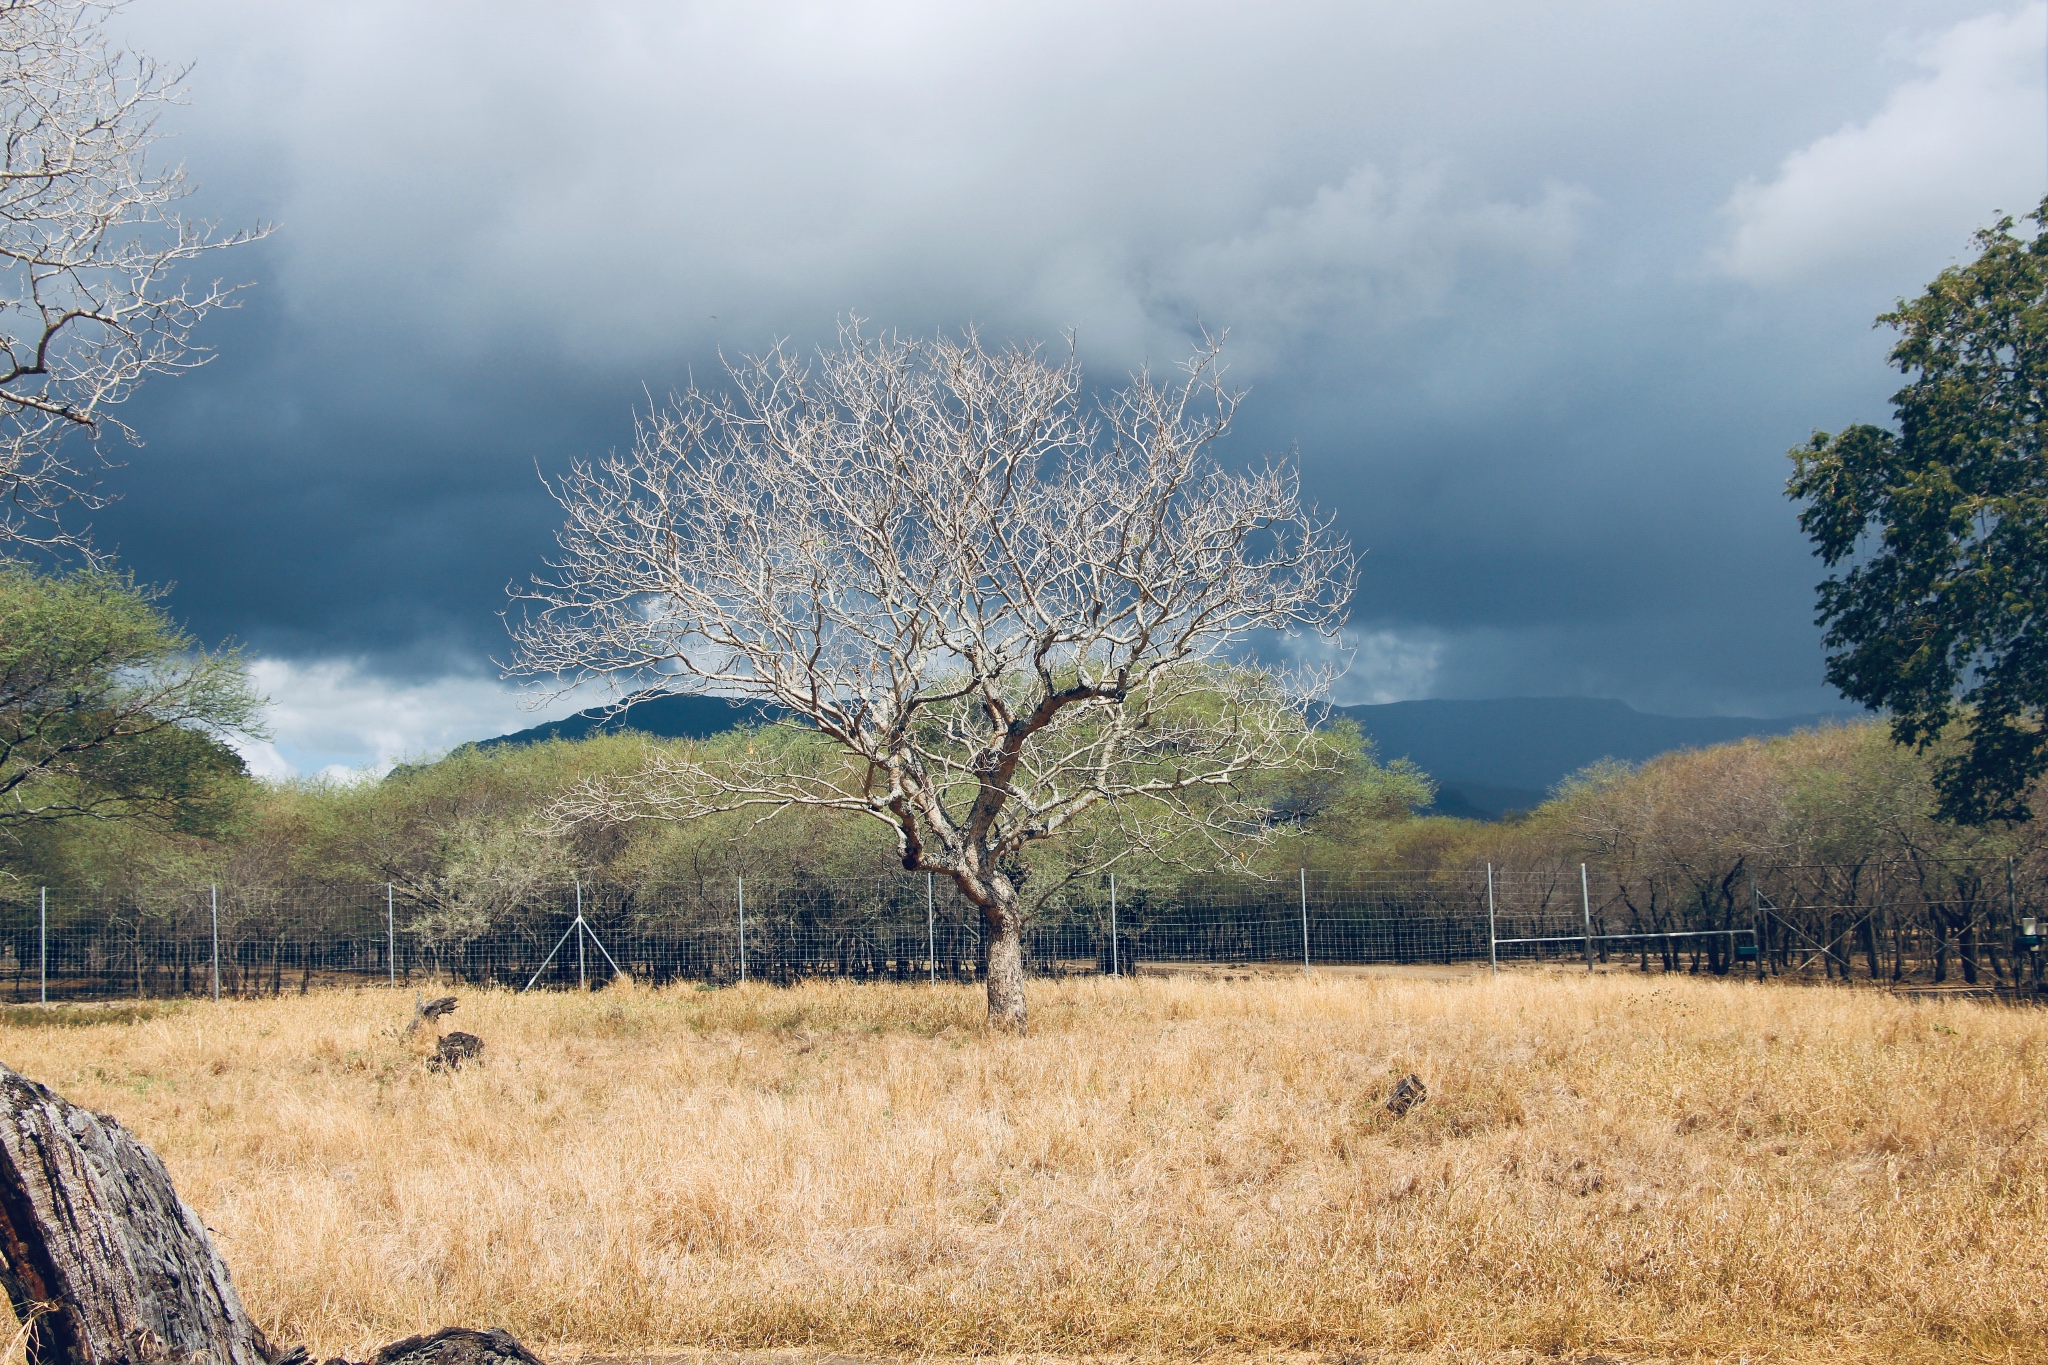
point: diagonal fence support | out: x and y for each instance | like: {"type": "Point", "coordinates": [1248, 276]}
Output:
{"type": "Point", "coordinates": [581, 929]}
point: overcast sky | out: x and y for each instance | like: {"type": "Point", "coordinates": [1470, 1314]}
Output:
{"type": "Point", "coordinates": [1541, 294]}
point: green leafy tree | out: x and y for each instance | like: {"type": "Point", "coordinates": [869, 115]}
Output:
{"type": "Point", "coordinates": [461, 840]}
{"type": "Point", "coordinates": [108, 711]}
{"type": "Point", "coordinates": [1940, 611]}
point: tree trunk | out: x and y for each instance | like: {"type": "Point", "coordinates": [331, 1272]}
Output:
{"type": "Point", "coordinates": [89, 1222]}
{"type": "Point", "coordinates": [1005, 941]}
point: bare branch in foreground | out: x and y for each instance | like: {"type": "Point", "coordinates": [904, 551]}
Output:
{"type": "Point", "coordinates": [93, 291]}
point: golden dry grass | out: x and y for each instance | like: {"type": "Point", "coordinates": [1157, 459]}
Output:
{"type": "Point", "coordinates": [1639, 1166]}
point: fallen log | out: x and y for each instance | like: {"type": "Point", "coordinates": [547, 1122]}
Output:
{"type": "Point", "coordinates": [429, 1012]}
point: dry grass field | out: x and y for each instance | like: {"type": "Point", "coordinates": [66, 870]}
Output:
{"type": "Point", "coordinates": [1631, 1166]}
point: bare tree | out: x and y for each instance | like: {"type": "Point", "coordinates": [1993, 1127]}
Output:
{"type": "Point", "coordinates": [93, 291]}
{"type": "Point", "coordinates": [1008, 609]}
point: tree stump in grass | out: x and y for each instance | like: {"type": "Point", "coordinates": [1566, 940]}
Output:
{"type": "Point", "coordinates": [453, 1050]}
{"type": "Point", "coordinates": [429, 1012]}
{"type": "Point", "coordinates": [90, 1223]}
{"type": "Point", "coordinates": [1409, 1091]}
{"type": "Point", "coordinates": [456, 1346]}
{"type": "Point", "coordinates": [115, 1269]}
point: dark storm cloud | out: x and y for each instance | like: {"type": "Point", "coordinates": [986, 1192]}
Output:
{"type": "Point", "coordinates": [1540, 293]}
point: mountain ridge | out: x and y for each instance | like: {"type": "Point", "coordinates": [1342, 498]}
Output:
{"type": "Point", "coordinates": [1500, 755]}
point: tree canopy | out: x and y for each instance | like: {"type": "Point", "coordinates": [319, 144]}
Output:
{"type": "Point", "coordinates": [1010, 610]}
{"type": "Point", "coordinates": [107, 709]}
{"type": "Point", "coordinates": [1940, 529]}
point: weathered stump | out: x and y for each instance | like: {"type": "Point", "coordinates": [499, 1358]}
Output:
{"type": "Point", "coordinates": [429, 1012]}
{"type": "Point", "coordinates": [1409, 1091]}
{"type": "Point", "coordinates": [456, 1346]}
{"type": "Point", "coordinates": [453, 1050]}
{"type": "Point", "coordinates": [92, 1230]}
{"type": "Point", "coordinates": [90, 1223]}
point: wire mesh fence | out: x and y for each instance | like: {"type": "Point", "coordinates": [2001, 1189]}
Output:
{"type": "Point", "coordinates": [1971, 924]}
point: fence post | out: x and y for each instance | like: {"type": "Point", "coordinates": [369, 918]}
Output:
{"type": "Point", "coordinates": [43, 949]}
{"type": "Point", "coordinates": [582, 976]}
{"type": "Point", "coordinates": [1304, 921]}
{"type": "Point", "coordinates": [2012, 907]}
{"type": "Point", "coordinates": [1893, 947]}
{"type": "Point", "coordinates": [931, 933]}
{"type": "Point", "coordinates": [390, 936]}
{"type": "Point", "coordinates": [1114, 968]}
{"type": "Point", "coordinates": [1756, 924]}
{"type": "Point", "coordinates": [1586, 905]}
{"type": "Point", "coordinates": [1492, 938]}
{"type": "Point", "coordinates": [743, 930]}
{"type": "Point", "coordinates": [213, 904]}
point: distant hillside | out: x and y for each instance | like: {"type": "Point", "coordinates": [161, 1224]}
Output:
{"type": "Point", "coordinates": [1488, 757]}
{"type": "Point", "coordinates": [668, 716]}
{"type": "Point", "coordinates": [1492, 757]}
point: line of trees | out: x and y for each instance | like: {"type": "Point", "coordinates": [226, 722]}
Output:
{"type": "Point", "coordinates": [1833, 840]}
{"type": "Point", "coordinates": [1835, 833]}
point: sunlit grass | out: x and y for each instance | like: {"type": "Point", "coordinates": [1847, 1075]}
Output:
{"type": "Point", "coordinates": [1162, 1167]}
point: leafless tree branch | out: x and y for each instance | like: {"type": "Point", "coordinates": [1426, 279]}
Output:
{"type": "Point", "coordinates": [94, 291]}
{"type": "Point", "coordinates": [1004, 605]}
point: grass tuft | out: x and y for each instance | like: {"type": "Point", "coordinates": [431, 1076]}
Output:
{"type": "Point", "coordinates": [84, 1014]}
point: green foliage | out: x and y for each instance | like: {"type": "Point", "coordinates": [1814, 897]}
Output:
{"type": "Point", "coordinates": [1350, 811]}
{"type": "Point", "coordinates": [1839, 795]}
{"type": "Point", "coordinates": [1942, 611]}
{"type": "Point", "coordinates": [1140, 787]}
{"type": "Point", "coordinates": [463, 840]}
{"type": "Point", "coordinates": [109, 713]}
{"type": "Point", "coordinates": [467, 840]}
{"type": "Point", "coordinates": [792, 845]}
